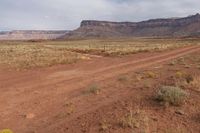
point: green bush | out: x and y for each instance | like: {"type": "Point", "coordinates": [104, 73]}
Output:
{"type": "Point", "coordinates": [171, 95]}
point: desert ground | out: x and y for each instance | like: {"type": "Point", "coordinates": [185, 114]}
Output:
{"type": "Point", "coordinates": [100, 86]}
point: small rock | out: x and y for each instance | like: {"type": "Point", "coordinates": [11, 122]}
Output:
{"type": "Point", "coordinates": [154, 119]}
{"type": "Point", "coordinates": [30, 116]}
{"type": "Point", "coordinates": [180, 112]}
{"type": "Point", "coordinates": [137, 125]}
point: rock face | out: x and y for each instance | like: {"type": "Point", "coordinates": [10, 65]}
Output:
{"type": "Point", "coordinates": [31, 35]}
{"type": "Point", "coordinates": [172, 27]}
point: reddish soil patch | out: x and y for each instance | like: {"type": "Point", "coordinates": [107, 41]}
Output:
{"type": "Point", "coordinates": [57, 99]}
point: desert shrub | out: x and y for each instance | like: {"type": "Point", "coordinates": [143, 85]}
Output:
{"type": "Point", "coordinates": [134, 119]}
{"type": "Point", "coordinates": [104, 125]}
{"type": "Point", "coordinates": [179, 74]}
{"type": "Point", "coordinates": [150, 75]}
{"type": "Point", "coordinates": [6, 131]}
{"type": "Point", "coordinates": [94, 89]}
{"type": "Point", "coordinates": [189, 78]}
{"type": "Point", "coordinates": [128, 121]}
{"type": "Point", "coordinates": [171, 95]}
{"type": "Point", "coordinates": [194, 84]}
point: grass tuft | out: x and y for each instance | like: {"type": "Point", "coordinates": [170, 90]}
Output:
{"type": "Point", "coordinates": [93, 89]}
{"type": "Point", "coordinates": [104, 125]}
{"type": "Point", "coordinates": [150, 75]}
{"type": "Point", "coordinates": [128, 121]}
{"type": "Point", "coordinates": [179, 74]}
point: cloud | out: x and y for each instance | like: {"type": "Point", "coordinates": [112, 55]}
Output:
{"type": "Point", "coordinates": [67, 14]}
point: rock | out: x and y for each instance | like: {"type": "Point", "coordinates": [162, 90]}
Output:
{"type": "Point", "coordinates": [136, 125]}
{"type": "Point", "coordinates": [180, 112]}
{"type": "Point", "coordinates": [172, 27]}
{"type": "Point", "coordinates": [154, 119]}
{"type": "Point", "coordinates": [30, 116]}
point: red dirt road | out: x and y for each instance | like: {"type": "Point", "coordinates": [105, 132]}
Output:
{"type": "Point", "coordinates": [43, 92]}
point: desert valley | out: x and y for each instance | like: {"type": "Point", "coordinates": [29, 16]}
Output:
{"type": "Point", "coordinates": [103, 77]}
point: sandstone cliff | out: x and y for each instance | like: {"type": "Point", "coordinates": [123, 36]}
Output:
{"type": "Point", "coordinates": [173, 27]}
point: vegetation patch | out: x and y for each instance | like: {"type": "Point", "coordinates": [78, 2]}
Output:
{"type": "Point", "coordinates": [128, 121]}
{"type": "Point", "coordinates": [150, 74]}
{"type": "Point", "coordinates": [193, 83]}
{"type": "Point", "coordinates": [6, 131]}
{"type": "Point", "coordinates": [104, 125]}
{"type": "Point", "coordinates": [134, 119]}
{"type": "Point", "coordinates": [24, 55]}
{"type": "Point", "coordinates": [171, 95]}
{"type": "Point", "coordinates": [93, 89]}
{"type": "Point", "coordinates": [30, 56]}
{"type": "Point", "coordinates": [179, 74]}
{"type": "Point", "coordinates": [189, 78]}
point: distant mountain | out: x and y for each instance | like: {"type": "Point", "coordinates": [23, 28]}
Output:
{"type": "Point", "coordinates": [172, 27]}
{"type": "Point", "coordinates": [31, 35]}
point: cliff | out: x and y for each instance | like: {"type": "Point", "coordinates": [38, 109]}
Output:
{"type": "Point", "coordinates": [172, 27]}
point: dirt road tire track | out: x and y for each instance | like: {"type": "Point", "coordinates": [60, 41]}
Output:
{"type": "Point", "coordinates": [113, 71]}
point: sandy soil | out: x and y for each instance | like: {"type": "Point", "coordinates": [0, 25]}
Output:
{"type": "Point", "coordinates": [50, 100]}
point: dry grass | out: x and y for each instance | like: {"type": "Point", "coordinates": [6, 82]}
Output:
{"type": "Point", "coordinates": [179, 74]}
{"type": "Point", "coordinates": [195, 83]}
{"type": "Point", "coordinates": [129, 121]}
{"type": "Point", "coordinates": [6, 131]}
{"type": "Point", "coordinates": [192, 82]}
{"type": "Point", "coordinates": [113, 47]}
{"type": "Point", "coordinates": [150, 74]}
{"type": "Point", "coordinates": [176, 130]}
{"type": "Point", "coordinates": [29, 56]}
{"type": "Point", "coordinates": [47, 53]}
{"type": "Point", "coordinates": [104, 125]}
{"type": "Point", "coordinates": [93, 89]}
{"type": "Point", "coordinates": [135, 119]}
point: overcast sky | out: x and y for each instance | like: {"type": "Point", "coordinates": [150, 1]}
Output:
{"type": "Point", "coordinates": [67, 14]}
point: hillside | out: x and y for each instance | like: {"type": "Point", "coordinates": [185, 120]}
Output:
{"type": "Point", "coordinates": [31, 35]}
{"type": "Point", "coordinates": [172, 27]}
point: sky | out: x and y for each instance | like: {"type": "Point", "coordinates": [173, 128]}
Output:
{"type": "Point", "coordinates": [67, 14]}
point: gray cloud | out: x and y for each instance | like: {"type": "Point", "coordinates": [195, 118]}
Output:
{"type": "Point", "coordinates": [67, 14]}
